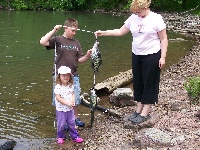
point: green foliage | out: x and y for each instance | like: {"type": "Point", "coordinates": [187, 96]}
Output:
{"type": "Point", "coordinates": [18, 5]}
{"type": "Point", "coordinates": [108, 5]}
{"type": "Point", "coordinates": [127, 6]}
{"type": "Point", "coordinates": [192, 86]}
{"type": "Point", "coordinates": [68, 5]}
{"type": "Point", "coordinates": [105, 4]}
{"type": "Point", "coordinates": [197, 10]}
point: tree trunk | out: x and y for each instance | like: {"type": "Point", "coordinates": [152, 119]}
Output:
{"type": "Point", "coordinates": [112, 83]}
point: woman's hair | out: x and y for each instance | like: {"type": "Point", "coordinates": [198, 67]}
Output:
{"type": "Point", "coordinates": [139, 4]}
{"type": "Point", "coordinates": [58, 81]}
{"type": "Point", "coordinates": [71, 22]}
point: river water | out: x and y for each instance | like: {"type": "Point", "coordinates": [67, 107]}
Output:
{"type": "Point", "coordinates": [25, 69]}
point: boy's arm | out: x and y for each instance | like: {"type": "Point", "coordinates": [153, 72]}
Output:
{"type": "Point", "coordinates": [45, 39]}
{"type": "Point", "coordinates": [85, 57]}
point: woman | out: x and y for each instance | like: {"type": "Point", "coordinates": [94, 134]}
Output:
{"type": "Point", "coordinates": [149, 47]}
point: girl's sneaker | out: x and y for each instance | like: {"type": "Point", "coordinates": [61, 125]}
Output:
{"type": "Point", "coordinates": [60, 141]}
{"type": "Point", "coordinates": [78, 140]}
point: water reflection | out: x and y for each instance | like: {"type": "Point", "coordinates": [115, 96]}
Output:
{"type": "Point", "coordinates": [25, 70]}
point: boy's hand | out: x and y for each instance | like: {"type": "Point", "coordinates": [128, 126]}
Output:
{"type": "Point", "coordinates": [89, 52]}
{"type": "Point", "coordinates": [57, 27]}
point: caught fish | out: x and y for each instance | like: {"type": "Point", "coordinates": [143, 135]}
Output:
{"type": "Point", "coordinates": [96, 57]}
{"type": "Point", "coordinates": [93, 100]}
{"type": "Point", "coordinates": [96, 62]}
{"type": "Point", "coordinates": [93, 105]}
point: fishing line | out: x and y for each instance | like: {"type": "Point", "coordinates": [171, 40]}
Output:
{"type": "Point", "coordinates": [77, 29]}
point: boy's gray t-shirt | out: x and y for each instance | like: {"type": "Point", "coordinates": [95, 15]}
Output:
{"type": "Point", "coordinates": [68, 52]}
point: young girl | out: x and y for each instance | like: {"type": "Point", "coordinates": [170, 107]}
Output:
{"type": "Point", "coordinates": [65, 100]}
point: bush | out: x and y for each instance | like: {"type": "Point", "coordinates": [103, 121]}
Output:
{"type": "Point", "coordinates": [192, 86]}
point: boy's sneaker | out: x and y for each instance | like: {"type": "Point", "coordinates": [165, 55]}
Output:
{"type": "Point", "coordinates": [79, 123]}
{"type": "Point", "coordinates": [60, 141]}
{"type": "Point", "coordinates": [78, 140]}
{"type": "Point", "coordinates": [66, 127]}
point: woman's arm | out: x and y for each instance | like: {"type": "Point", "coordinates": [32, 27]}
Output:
{"type": "Point", "coordinates": [164, 44]}
{"type": "Point", "coordinates": [115, 32]}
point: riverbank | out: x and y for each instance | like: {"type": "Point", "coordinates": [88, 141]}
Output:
{"type": "Point", "coordinates": [173, 124]}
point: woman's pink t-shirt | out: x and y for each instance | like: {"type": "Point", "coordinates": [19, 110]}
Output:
{"type": "Point", "coordinates": [145, 33]}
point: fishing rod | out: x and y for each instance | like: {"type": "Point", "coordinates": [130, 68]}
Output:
{"type": "Point", "coordinates": [55, 75]}
{"type": "Point", "coordinates": [55, 57]}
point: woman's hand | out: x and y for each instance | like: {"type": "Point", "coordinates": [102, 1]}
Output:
{"type": "Point", "coordinates": [99, 33]}
{"type": "Point", "coordinates": [161, 62]}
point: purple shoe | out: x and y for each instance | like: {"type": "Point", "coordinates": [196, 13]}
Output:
{"type": "Point", "coordinates": [60, 141]}
{"type": "Point", "coordinates": [78, 140]}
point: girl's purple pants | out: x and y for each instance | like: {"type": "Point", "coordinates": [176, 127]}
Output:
{"type": "Point", "coordinates": [69, 119]}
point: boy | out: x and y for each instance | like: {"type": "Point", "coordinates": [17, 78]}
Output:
{"type": "Point", "coordinates": [69, 53]}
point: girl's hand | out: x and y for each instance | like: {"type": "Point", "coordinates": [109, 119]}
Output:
{"type": "Point", "coordinates": [69, 103]}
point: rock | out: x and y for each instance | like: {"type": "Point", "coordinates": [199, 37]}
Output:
{"type": "Point", "coordinates": [158, 136]}
{"type": "Point", "coordinates": [8, 145]}
{"type": "Point", "coordinates": [122, 91]}
{"type": "Point", "coordinates": [178, 105]}
{"type": "Point", "coordinates": [122, 100]}
{"type": "Point", "coordinates": [197, 114]}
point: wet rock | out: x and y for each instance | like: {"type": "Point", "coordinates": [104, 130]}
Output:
{"type": "Point", "coordinates": [176, 106]}
{"type": "Point", "coordinates": [122, 100]}
{"type": "Point", "coordinates": [8, 145]}
{"type": "Point", "coordinates": [197, 114]}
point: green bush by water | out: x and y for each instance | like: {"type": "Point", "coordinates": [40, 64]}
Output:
{"type": "Point", "coordinates": [192, 86]}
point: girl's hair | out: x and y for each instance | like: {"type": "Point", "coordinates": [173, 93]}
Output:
{"type": "Point", "coordinates": [71, 22]}
{"type": "Point", "coordinates": [58, 81]}
{"type": "Point", "coordinates": [139, 4]}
